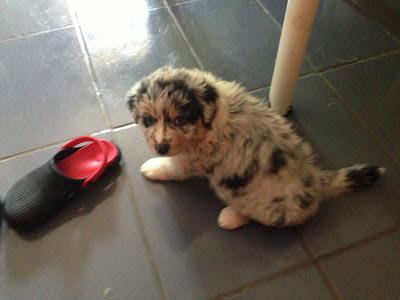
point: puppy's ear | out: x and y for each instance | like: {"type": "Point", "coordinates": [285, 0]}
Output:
{"type": "Point", "coordinates": [209, 103]}
{"type": "Point", "coordinates": [133, 96]}
{"type": "Point", "coordinates": [131, 99]}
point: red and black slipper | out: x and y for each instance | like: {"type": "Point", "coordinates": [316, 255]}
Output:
{"type": "Point", "coordinates": [43, 192]}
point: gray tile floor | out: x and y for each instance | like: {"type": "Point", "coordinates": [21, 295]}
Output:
{"type": "Point", "coordinates": [64, 69]}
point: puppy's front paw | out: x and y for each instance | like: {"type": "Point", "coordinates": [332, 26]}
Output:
{"type": "Point", "coordinates": [230, 219]}
{"type": "Point", "coordinates": [155, 169]}
{"type": "Point", "coordinates": [161, 168]}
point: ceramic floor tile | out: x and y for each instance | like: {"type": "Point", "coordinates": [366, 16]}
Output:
{"type": "Point", "coordinates": [219, 33]}
{"type": "Point", "coordinates": [152, 3]}
{"type": "Point", "coordinates": [92, 248]}
{"type": "Point", "coordinates": [280, 6]}
{"type": "Point", "coordinates": [195, 258]}
{"type": "Point", "coordinates": [368, 272]}
{"type": "Point", "coordinates": [172, 2]}
{"type": "Point", "coordinates": [133, 43]}
{"type": "Point", "coordinates": [339, 141]}
{"type": "Point", "coordinates": [340, 34]}
{"type": "Point", "coordinates": [386, 13]}
{"type": "Point", "coordinates": [46, 92]}
{"type": "Point", "coordinates": [277, 9]}
{"type": "Point", "coordinates": [24, 16]}
{"type": "Point", "coordinates": [303, 284]}
{"type": "Point", "coordinates": [372, 89]}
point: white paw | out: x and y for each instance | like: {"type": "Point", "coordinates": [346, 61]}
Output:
{"type": "Point", "coordinates": [163, 168]}
{"type": "Point", "coordinates": [230, 219]}
{"type": "Point", "coordinates": [155, 169]}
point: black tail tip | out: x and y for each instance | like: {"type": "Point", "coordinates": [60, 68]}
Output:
{"type": "Point", "coordinates": [363, 176]}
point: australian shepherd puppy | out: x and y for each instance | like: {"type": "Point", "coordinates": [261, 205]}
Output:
{"type": "Point", "coordinates": [258, 166]}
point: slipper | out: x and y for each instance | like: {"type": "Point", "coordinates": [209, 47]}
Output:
{"type": "Point", "coordinates": [43, 192]}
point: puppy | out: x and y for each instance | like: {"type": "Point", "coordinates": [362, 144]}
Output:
{"type": "Point", "coordinates": [258, 166]}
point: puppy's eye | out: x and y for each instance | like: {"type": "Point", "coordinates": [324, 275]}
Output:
{"type": "Point", "coordinates": [148, 120]}
{"type": "Point", "coordinates": [180, 121]}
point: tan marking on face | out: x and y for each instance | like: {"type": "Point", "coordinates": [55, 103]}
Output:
{"type": "Point", "coordinates": [178, 139]}
{"type": "Point", "coordinates": [146, 107]}
{"type": "Point", "coordinates": [173, 112]}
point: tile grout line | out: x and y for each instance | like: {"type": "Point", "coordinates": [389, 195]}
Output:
{"type": "Point", "coordinates": [279, 26]}
{"type": "Point", "coordinates": [337, 66]}
{"type": "Point", "coordinates": [181, 3]}
{"type": "Point", "coordinates": [57, 143]}
{"type": "Point", "coordinates": [260, 88]}
{"type": "Point", "coordinates": [45, 147]}
{"type": "Point", "coordinates": [315, 70]}
{"type": "Point", "coordinates": [124, 126]}
{"type": "Point", "coordinates": [331, 68]}
{"type": "Point", "coordinates": [183, 35]}
{"type": "Point", "coordinates": [258, 282]}
{"type": "Point", "coordinates": [322, 273]}
{"type": "Point", "coordinates": [309, 262]}
{"type": "Point", "coordinates": [372, 19]}
{"type": "Point", "coordinates": [359, 243]}
{"type": "Point", "coordinates": [131, 124]}
{"type": "Point", "coordinates": [143, 233]}
{"type": "Point", "coordinates": [355, 62]}
{"type": "Point", "coordinates": [269, 15]}
{"type": "Point", "coordinates": [36, 33]}
{"type": "Point", "coordinates": [139, 218]}
{"type": "Point", "coordinates": [72, 25]}
{"type": "Point", "coordinates": [90, 67]}
{"type": "Point", "coordinates": [328, 282]}
{"type": "Point", "coordinates": [361, 121]}
{"type": "Point", "coordinates": [314, 261]}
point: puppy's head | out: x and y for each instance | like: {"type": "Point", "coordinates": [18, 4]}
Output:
{"type": "Point", "coordinates": [174, 107]}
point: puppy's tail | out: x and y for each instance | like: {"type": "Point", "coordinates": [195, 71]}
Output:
{"type": "Point", "coordinates": [347, 180]}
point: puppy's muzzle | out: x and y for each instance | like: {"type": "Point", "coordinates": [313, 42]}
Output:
{"type": "Point", "coordinates": [162, 148]}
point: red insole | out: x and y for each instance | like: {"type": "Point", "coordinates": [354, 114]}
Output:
{"type": "Point", "coordinates": [87, 160]}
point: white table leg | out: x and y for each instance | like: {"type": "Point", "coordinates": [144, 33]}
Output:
{"type": "Point", "coordinates": [297, 25]}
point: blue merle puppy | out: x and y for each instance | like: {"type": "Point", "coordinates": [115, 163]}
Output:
{"type": "Point", "coordinates": [258, 166]}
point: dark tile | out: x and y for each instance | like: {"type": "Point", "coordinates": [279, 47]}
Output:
{"type": "Point", "coordinates": [339, 141]}
{"type": "Point", "coordinates": [386, 13]}
{"type": "Point", "coordinates": [276, 9]}
{"type": "Point", "coordinates": [303, 284]}
{"type": "Point", "coordinates": [234, 39]}
{"type": "Point", "coordinates": [189, 248]}
{"type": "Point", "coordinates": [340, 33]}
{"type": "Point", "coordinates": [24, 16]}
{"type": "Point", "coordinates": [46, 92]}
{"type": "Point", "coordinates": [131, 44]}
{"type": "Point", "coordinates": [368, 272]}
{"type": "Point", "coordinates": [153, 3]}
{"type": "Point", "coordinates": [93, 247]}
{"type": "Point", "coordinates": [172, 2]}
{"type": "Point", "coordinates": [372, 89]}
{"type": "Point", "coordinates": [279, 8]}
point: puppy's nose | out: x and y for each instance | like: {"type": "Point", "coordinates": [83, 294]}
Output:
{"type": "Point", "coordinates": [162, 148]}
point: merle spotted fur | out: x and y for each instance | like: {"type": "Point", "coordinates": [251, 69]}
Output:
{"type": "Point", "coordinates": [258, 166]}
